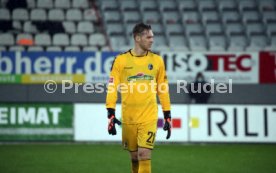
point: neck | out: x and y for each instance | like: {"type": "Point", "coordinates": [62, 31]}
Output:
{"type": "Point", "coordinates": [138, 51]}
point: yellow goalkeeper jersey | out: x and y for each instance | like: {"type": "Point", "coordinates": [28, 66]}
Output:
{"type": "Point", "coordinates": [139, 80]}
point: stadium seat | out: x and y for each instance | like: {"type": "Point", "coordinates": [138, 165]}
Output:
{"type": "Point", "coordinates": [237, 43]}
{"type": "Point", "coordinates": [214, 29]}
{"type": "Point", "coordinates": [269, 48]}
{"type": "Point", "coordinates": [80, 4]}
{"type": "Point", "coordinates": [266, 5]}
{"type": "Point", "coordinates": [53, 49]}
{"type": "Point", "coordinates": [61, 39]}
{"type": "Point", "coordinates": [17, 25]}
{"type": "Point", "coordinates": [210, 17]}
{"type": "Point", "coordinates": [114, 29]}
{"type": "Point", "coordinates": [63, 4]}
{"type": "Point", "coordinates": [17, 48]}
{"type": "Point", "coordinates": [79, 40]}
{"type": "Point", "coordinates": [90, 15]}
{"type": "Point", "coordinates": [197, 43]}
{"type": "Point", "coordinates": [230, 17]}
{"type": "Point", "coordinates": [227, 5]}
{"type": "Point", "coordinates": [131, 16]}
{"type": "Point", "coordinates": [69, 27]}
{"type": "Point", "coordinates": [35, 48]}
{"type": "Point", "coordinates": [112, 17]}
{"type": "Point", "coordinates": [177, 41]}
{"type": "Point", "coordinates": [130, 41]}
{"type": "Point", "coordinates": [4, 14]}
{"type": "Point", "coordinates": [117, 41]}
{"type": "Point", "coordinates": [170, 17]}
{"type": "Point", "coordinates": [148, 5]}
{"type": "Point", "coordinates": [85, 27]}
{"type": "Point", "coordinates": [207, 5]}
{"type": "Point", "coordinates": [193, 29]}
{"type": "Point", "coordinates": [38, 15]}
{"type": "Point", "coordinates": [28, 27]}
{"type": "Point", "coordinates": [273, 41]}
{"type": "Point", "coordinates": [235, 48]}
{"type": "Point", "coordinates": [187, 5]}
{"type": "Point", "coordinates": [255, 29]}
{"type": "Point", "coordinates": [127, 5]}
{"type": "Point", "coordinates": [124, 48]}
{"type": "Point", "coordinates": [179, 48]}
{"type": "Point", "coordinates": [159, 40]}
{"type": "Point", "coordinates": [157, 28]}
{"type": "Point", "coordinates": [73, 15]}
{"type": "Point", "coordinates": [43, 39]}
{"type": "Point", "coordinates": [269, 17]}
{"type": "Point", "coordinates": [56, 15]}
{"type": "Point", "coordinates": [174, 29]}
{"type": "Point", "coordinates": [31, 4]}
{"type": "Point", "coordinates": [251, 17]}
{"type": "Point", "coordinates": [151, 17]}
{"type": "Point", "coordinates": [6, 39]}
{"type": "Point", "coordinates": [106, 48]}
{"type": "Point", "coordinates": [217, 43]}
{"type": "Point", "coordinates": [247, 5]}
{"type": "Point", "coordinates": [129, 28]}
{"type": "Point", "coordinates": [191, 17]}
{"type": "Point", "coordinates": [160, 48]}
{"type": "Point", "coordinates": [20, 14]}
{"type": "Point", "coordinates": [234, 29]}
{"type": "Point", "coordinates": [109, 6]}
{"type": "Point", "coordinates": [258, 41]}
{"type": "Point", "coordinates": [72, 48]}
{"type": "Point", "coordinates": [23, 36]}
{"type": "Point", "coordinates": [47, 4]}
{"type": "Point", "coordinates": [271, 29]}
{"type": "Point", "coordinates": [97, 39]}
{"type": "Point", "coordinates": [89, 49]}
{"type": "Point", "coordinates": [165, 6]}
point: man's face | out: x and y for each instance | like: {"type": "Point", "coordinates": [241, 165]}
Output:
{"type": "Point", "coordinates": [145, 40]}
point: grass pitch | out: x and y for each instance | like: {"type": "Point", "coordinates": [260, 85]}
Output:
{"type": "Point", "coordinates": [110, 158]}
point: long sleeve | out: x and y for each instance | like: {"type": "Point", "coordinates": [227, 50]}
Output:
{"type": "Point", "coordinates": [114, 81]}
{"type": "Point", "coordinates": [163, 88]}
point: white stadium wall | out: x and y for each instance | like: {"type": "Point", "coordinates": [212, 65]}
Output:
{"type": "Point", "coordinates": [191, 123]}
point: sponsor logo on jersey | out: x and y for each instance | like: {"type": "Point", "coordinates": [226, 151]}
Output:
{"type": "Point", "coordinates": [140, 76]}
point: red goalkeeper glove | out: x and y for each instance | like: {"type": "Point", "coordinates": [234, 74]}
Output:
{"type": "Point", "coordinates": [112, 120]}
{"type": "Point", "coordinates": [167, 125]}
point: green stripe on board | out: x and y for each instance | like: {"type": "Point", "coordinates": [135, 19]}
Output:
{"type": "Point", "coordinates": [36, 138]}
{"type": "Point", "coordinates": [7, 78]}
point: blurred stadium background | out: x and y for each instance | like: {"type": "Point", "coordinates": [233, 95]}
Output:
{"type": "Point", "coordinates": [63, 129]}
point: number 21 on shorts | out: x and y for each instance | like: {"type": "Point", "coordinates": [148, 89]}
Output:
{"type": "Point", "coordinates": [151, 137]}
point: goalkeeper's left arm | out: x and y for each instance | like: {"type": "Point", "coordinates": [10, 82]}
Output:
{"type": "Point", "coordinates": [164, 97]}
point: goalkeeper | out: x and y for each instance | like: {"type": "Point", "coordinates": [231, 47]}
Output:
{"type": "Point", "coordinates": [140, 74]}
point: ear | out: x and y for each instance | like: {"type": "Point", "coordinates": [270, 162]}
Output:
{"type": "Point", "coordinates": [137, 38]}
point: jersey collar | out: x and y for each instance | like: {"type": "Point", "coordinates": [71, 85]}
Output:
{"type": "Point", "coordinates": [130, 51]}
